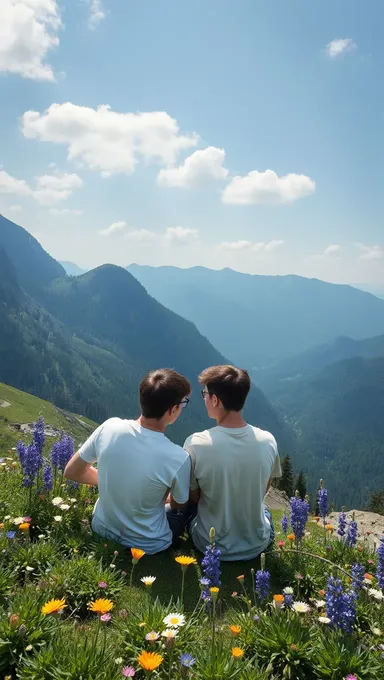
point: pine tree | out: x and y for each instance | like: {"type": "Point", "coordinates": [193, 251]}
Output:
{"type": "Point", "coordinates": [301, 485]}
{"type": "Point", "coordinates": [286, 479]}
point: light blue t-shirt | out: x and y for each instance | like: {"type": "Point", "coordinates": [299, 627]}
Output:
{"type": "Point", "coordinates": [137, 468]}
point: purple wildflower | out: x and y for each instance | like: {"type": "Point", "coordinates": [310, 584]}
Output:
{"type": "Point", "coordinates": [10, 535]}
{"type": "Point", "coordinates": [39, 436]}
{"type": "Point", "coordinates": [380, 564]}
{"type": "Point", "coordinates": [48, 477]}
{"type": "Point", "coordinates": [263, 584]}
{"type": "Point", "coordinates": [299, 516]}
{"type": "Point", "coordinates": [288, 600]}
{"type": "Point", "coordinates": [31, 464]}
{"type": "Point", "coordinates": [342, 524]}
{"type": "Point", "coordinates": [351, 538]}
{"type": "Point", "coordinates": [358, 572]}
{"type": "Point", "coordinates": [62, 451]}
{"type": "Point", "coordinates": [21, 449]}
{"type": "Point", "coordinates": [284, 524]}
{"type": "Point", "coordinates": [323, 500]}
{"type": "Point", "coordinates": [187, 660]}
{"type": "Point", "coordinates": [128, 672]}
{"type": "Point", "coordinates": [211, 570]}
{"type": "Point", "coordinates": [340, 606]}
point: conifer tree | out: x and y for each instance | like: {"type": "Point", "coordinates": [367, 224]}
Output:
{"type": "Point", "coordinates": [286, 479]}
{"type": "Point", "coordinates": [301, 485]}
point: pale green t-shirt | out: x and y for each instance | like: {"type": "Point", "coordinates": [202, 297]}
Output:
{"type": "Point", "coordinates": [231, 467]}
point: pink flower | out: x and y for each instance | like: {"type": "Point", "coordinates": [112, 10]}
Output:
{"type": "Point", "coordinates": [128, 672]}
{"type": "Point", "coordinates": [105, 618]}
{"type": "Point", "coordinates": [116, 553]}
{"type": "Point", "coordinates": [103, 584]}
{"type": "Point", "coordinates": [123, 573]}
{"type": "Point", "coordinates": [28, 519]}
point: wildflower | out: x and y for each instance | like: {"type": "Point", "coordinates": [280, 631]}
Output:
{"type": "Point", "coordinates": [103, 584]}
{"type": "Point", "coordinates": [256, 617]}
{"type": "Point", "coordinates": [278, 601]}
{"type": "Point", "coordinates": [237, 652]}
{"type": "Point", "coordinates": [319, 604]}
{"type": "Point", "coordinates": [368, 578]}
{"type": "Point", "coordinates": [187, 660]}
{"type": "Point", "coordinates": [301, 607]}
{"type": "Point", "coordinates": [240, 578]}
{"type": "Point", "coordinates": [174, 620]}
{"type": "Point", "coordinates": [340, 605]}
{"type": "Point", "coordinates": [29, 569]}
{"type": "Point", "coordinates": [53, 607]}
{"type": "Point", "coordinates": [324, 619]}
{"type": "Point", "coordinates": [137, 554]}
{"type": "Point", "coordinates": [64, 506]}
{"type": "Point", "coordinates": [214, 593]}
{"type": "Point", "coordinates": [149, 661]}
{"type": "Point", "coordinates": [128, 672]}
{"type": "Point", "coordinates": [351, 539]}
{"type": "Point", "coordinates": [234, 594]}
{"type": "Point", "coordinates": [148, 580]}
{"type": "Point", "coordinates": [316, 518]}
{"type": "Point", "coordinates": [376, 631]}
{"type": "Point", "coordinates": [62, 452]}
{"type": "Point", "coordinates": [58, 518]}
{"type": "Point", "coordinates": [57, 500]}
{"type": "Point", "coordinates": [351, 676]}
{"type": "Point", "coordinates": [288, 600]}
{"type": "Point", "coordinates": [357, 577]}
{"type": "Point", "coordinates": [18, 520]}
{"type": "Point", "coordinates": [169, 633]}
{"type": "Point", "coordinates": [288, 590]}
{"type": "Point", "coordinates": [281, 544]}
{"type": "Point", "coordinates": [263, 585]}
{"type": "Point", "coordinates": [185, 561]}
{"type": "Point", "coordinates": [376, 594]}
{"type": "Point", "coordinates": [236, 630]}
{"type": "Point", "coordinates": [284, 524]}
{"type": "Point", "coordinates": [28, 648]}
{"type": "Point", "coordinates": [100, 606]}
{"type": "Point", "coordinates": [291, 537]}
{"type": "Point", "coordinates": [342, 524]}
{"type": "Point", "coordinates": [14, 620]}
{"type": "Point", "coordinates": [105, 618]}
{"type": "Point", "coordinates": [322, 497]}
{"type": "Point", "coordinates": [152, 636]}
{"type": "Point", "coordinates": [24, 526]}
{"type": "Point", "coordinates": [10, 534]}
{"type": "Point", "coordinates": [23, 628]}
{"type": "Point", "coordinates": [380, 564]}
{"type": "Point", "coordinates": [299, 516]}
{"type": "Point", "coordinates": [330, 528]}
{"type": "Point", "coordinates": [211, 570]}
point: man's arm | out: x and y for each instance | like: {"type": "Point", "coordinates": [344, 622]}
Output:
{"type": "Point", "coordinates": [194, 496]}
{"type": "Point", "coordinates": [78, 470]}
{"type": "Point", "coordinates": [180, 486]}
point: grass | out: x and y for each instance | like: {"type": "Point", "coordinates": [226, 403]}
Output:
{"type": "Point", "coordinates": [26, 408]}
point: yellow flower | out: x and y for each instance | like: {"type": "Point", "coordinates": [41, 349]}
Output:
{"type": "Point", "coordinates": [214, 589]}
{"type": "Point", "coordinates": [24, 526]}
{"type": "Point", "coordinates": [137, 554]}
{"type": "Point", "coordinates": [235, 629]}
{"type": "Point", "coordinates": [278, 601]}
{"type": "Point", "coordinates": [291, 537]}
{"type": "Point", "coordinates": [185, 561]}
{"type": "Point", "coordinates": [237, 652]}
{"type": "Point", "coordinates": [100, 606]}
{"type": "Point", "coordinates": [330, 528]}
{"type": "Point", "coordinates": [53, 606]}
{"type": "Point", "coordinates": [149, 661]}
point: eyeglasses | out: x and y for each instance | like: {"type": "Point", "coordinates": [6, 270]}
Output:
{"type": "Point", "coordinates": [204, 393]}
{"type": "Point", "coordinates": [184, 402]}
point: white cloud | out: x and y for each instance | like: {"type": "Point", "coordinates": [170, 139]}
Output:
{"type": "Point", "coordinates": [370, 252]}
{"type": "Point", "coordinates": [200, 167]}
{"type": "Point", "coordinates": [332, 251]}
{"type": "Point", "coordinates": [15, 208]}
{"type": "Point", "coordinates": [106, 140]}
{"type": "Point", "coordinates": [96, 13]}
{"type": "Point", "coordinates": [340, 46]}
{"type": "Point", "coordinates": [113, 228]}
{"type": "Point", "coordinates": [48, 189]}
{"type": "Point", "coordinates": [142, 236]}
{"type": "Point", "coordinates": [171, 236]}
{"type": "Point", "coordinates": [28, 30]}
{"type": "Point", "coordinates": [267, 187]}
{"type": "Point", "coordinates": [181, 235]}
{"type": "Point", "coordinates": [256, 247]}
{"type": "Point", "coordinates": [65, 211]}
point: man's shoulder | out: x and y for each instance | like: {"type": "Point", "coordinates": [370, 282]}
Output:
{"type": "Point", "coordinates": [177, 452]}
{"type": "Point", "coordinates": [199, 438]}
{"type": "Point", "coordinates": [264, 436]}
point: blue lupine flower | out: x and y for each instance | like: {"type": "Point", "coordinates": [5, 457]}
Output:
{"type": "Point", "coordinates": [284, 524]}
{"type": "Point", "coordinates": [342, 524]}
{"type": "Point", "coordinates": [358, 572]}
{"type": "Point", "coordinates": [187, 660]}
{"type": "Point", "coordinates": [31, 464]}
{"type": "Point", "coordinates": [48, 477]}
{"type": "Point", "coordinates": [351, 538]}
{"type": "Point", "coordinates": [211, 570]}
{"type": "Point", "coordinates": [323, 500]}
{"type": "Point", "coordinates": [11, 534]}
{"type": "Point", "coordinates": [21, 449]}
{"type": "Point", "coordinates": [263, 585]}
{"type": "Point", "coordinates": [340, 606]}
{"type": "Point", "coordinates": [62, 451]}
{"type": "Point", "coordinates": [380, 564]}
{"type": "Point", "coordinates": [299, 516]}
{"type": "Point", "coordinates": [288, 600]}
{"type": "Point", "coordinates": [39, 436]}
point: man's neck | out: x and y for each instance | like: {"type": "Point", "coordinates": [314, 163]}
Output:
{"type": "Point", "coordinates": [152, 424]}
{"type": "Point", "coordinates": [231, 419]}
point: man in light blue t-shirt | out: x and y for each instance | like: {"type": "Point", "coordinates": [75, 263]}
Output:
{"type": "Point", "coordinates": [138, 467]}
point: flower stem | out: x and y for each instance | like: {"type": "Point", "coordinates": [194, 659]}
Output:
{"type": "Point", "coordinates": [182, 587]}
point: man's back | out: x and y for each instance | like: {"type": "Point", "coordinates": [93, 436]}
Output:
{"type": "Point", "coordinates": [136, 468]}
{"type": "Point", "coordinates": [232, 467]}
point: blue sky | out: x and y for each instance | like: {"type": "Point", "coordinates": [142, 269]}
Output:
{"type": "Point", "coordinates": [293, 87]}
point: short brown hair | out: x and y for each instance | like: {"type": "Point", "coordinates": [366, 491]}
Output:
{"type": "Point", "coordinates": [160, 390]}
{"type": "Point", "coordinates": [230, 384]}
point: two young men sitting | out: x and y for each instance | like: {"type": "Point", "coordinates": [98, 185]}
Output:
{"type": "Point", "coordinates": [151, 490]}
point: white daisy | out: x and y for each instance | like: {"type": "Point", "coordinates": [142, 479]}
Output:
{"type": "Point", "coordinates": [324, 619]}
{"type": "Point", "coordinates": [288, 590]}
{"type": "Point", "coordinates": [18, 520]}
{"type": "Point", "coordinates": [152, 636]}
{"type": "Point", "coordinates": [169, 633]}
{"type": "Point", "coordinates": [174, 620]}
{"type": "Point", "coordinates": [376, 631]}
{"type": "Point", "coordinates": [319, 604]}
{"type": "Point", "coordinates": [57, 500]}
{"type": "Point", "coordinates": [64, 506]}
{"type": "Point", "coordinates": [377, 594]}
{"type": "Point", "coordinates": [58, 518]}
{"type": "Point", "coordinates": [148, 580]}
{"type": "Point", "coordinates": [301, 607]}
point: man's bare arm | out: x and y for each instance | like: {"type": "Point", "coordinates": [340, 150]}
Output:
{"type": "Point", "coordinates": [79, 471]}
{"type": "Point", "coordinates": [174, 505]}
{"type": "Point", "coordinates": [194, 496]}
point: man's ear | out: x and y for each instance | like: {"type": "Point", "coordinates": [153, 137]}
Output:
{"type": "Point", "coordinates": [215, 401]}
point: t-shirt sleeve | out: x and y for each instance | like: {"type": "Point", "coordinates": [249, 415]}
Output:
{"type": "Point", "coordinates": [276, 468]}
{"type": "Point", "coordinates": [180, 484]}
{"type": "Point", "coordinates": [88, 451]}
{"type": "Point", "coordinates": [193, 483]}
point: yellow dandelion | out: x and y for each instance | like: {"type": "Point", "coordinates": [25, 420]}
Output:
{"type": "Point", "coordinates": [149, 661]}
{"type": "Point", "coordinates": [53, 607]}
{"type": "Point", "coordinates": [24, 526]}
{"type": "Point", "coordinates": [137, 554]}
{"type": "Point", "coordinates": [237, 652]}
{"type": "Point", "coordinates": [185, 561]}
{"type": "Point", "coordinates": [236, 630]}
{"type": "Point", "coordinates": [100, 606]}
{"type": "Point", "coordinates": [291, 537]}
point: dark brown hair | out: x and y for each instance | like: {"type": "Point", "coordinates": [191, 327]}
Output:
{"type": "Point", "coordinates": [230, 384]}
{"type": "Point", "coordinates": [160, 390]}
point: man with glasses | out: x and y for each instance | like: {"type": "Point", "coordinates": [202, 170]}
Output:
{"type": "Point", "coordinates": [232, 468]}
{"type": "Point", "coordinates": [137, 467]}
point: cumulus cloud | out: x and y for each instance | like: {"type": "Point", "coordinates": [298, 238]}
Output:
{"type": "Point", "coordinates": [200, 167]}
{"type": "Point", "coordinates": [48, 189]}
{"type": "Point", "coordinates": [65, 211]}
{"type": "Point", "coordinates": [267, 188]}
{"type": "Point", "coordinates": [115, 227]}
{"type": "Point", "coordinates": [171, 236]}
{"type": "Point", "coordinates": [96, 13]}
{"type": "Point", "coordinates": [28, 30]}
{"type": "Point", "coordinates": [181, 235]}
{"type": "Point", "coordinates": [15, 208]}
{"type": "Point", "coordinates": [340, 46]}
{"type": "Point", "coordinates": [106, 140]}
{"type": "Point", "coordinates": [370, 252]}
{"type": "Point", "coordinates": [332, 251]}
{"type": "Point", "coordinates": [256, 247]}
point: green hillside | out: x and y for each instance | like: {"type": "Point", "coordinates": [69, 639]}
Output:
{"type": "Point", "coordinates": [20, 408]}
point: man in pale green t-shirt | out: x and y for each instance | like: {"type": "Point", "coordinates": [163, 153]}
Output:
{"type": "Point", "coordinates": [232, 466]}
